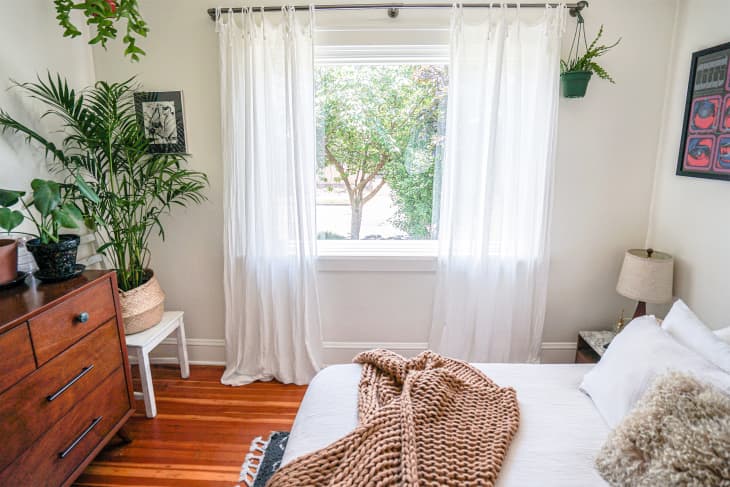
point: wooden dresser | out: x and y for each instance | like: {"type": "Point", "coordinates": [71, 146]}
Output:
{"type": "Point", "coordinates": [65, 383]}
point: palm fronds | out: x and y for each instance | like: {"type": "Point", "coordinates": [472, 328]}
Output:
{"type": "Point", "coordinates": [105, 147]}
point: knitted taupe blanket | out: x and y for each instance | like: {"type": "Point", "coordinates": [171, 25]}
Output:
{"type": "Point", "coordinates": [428, 420]}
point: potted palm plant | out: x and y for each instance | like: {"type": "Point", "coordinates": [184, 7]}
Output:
{"type": "Point", "coordinates": [55, 208]}
{"type": "Point", "coordinates": [106, 147]}
{"type": "Point", "coordinates": [576, 71]}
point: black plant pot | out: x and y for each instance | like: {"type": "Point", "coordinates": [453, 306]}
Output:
{"type": "Point", "coordinates": [56, 261]}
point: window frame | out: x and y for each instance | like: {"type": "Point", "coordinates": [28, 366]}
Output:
{"type": "Point", "coordinates": [417, 255]}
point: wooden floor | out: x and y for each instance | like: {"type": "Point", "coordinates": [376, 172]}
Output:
{"type": "Point", "coordinates": [201, 433]}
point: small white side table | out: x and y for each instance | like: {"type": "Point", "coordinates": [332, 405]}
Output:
{"type": "Point", "coordinates": [144, 342]}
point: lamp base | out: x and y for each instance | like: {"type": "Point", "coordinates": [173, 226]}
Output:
{"type": "Point", "coordinates": [640, 309]}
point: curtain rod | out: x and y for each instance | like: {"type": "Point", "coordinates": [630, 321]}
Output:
{"type": "Point", "coordinates": [394, 8]}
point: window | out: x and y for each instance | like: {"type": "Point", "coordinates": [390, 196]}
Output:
{"type": "Point", "coordinates": [380, 140]}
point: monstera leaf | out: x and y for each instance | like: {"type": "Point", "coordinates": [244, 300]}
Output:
{"type": "Point", "coordinates": [10, 219]}
{"type": "Point", "coordinates": [46, 196]}
{"type": "Point", "coordinates": [67, 215]}
{"type": "Point", "coordinates": [9, 197]}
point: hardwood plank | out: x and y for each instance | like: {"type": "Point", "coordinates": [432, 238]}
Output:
{"type": "Point", "coordinates": [201, 433]}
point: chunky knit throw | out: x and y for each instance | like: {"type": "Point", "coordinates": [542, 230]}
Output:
{"type": "Point", "coordinates": [428, 420]}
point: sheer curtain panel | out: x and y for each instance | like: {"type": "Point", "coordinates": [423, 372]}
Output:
{"type": "Point", "coordinates": [496, 195]}
{"type": "Point", "coordinates": [267, 105]}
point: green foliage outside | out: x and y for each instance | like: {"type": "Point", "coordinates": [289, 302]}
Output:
{"type": "Point", "coordinates": [377, 125]}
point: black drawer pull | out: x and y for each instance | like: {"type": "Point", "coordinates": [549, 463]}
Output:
{"type": "Point", "coordinates": [68, 450]}
{"type": "Point", "coordinates": [63, 389]}
{"type": "Point", "coordinates": [82, 317]}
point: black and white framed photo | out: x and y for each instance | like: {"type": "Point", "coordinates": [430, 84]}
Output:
{"type": "Point", "coordinates": [160, 113]}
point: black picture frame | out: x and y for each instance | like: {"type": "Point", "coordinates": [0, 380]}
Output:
{"type": "Point", "coordinates": [704, 150]}
{"type": "Point", "coordinates": [160, 114]}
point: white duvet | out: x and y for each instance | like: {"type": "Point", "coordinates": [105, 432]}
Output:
{"type": "Point", "coordinates": [560, 429]}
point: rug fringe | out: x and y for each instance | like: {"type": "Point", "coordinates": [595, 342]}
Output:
{"type": "Point", "coordinates": [253, 460]}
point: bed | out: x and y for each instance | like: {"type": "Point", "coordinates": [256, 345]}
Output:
{"type": "Point", "coordinates": [559, 435]}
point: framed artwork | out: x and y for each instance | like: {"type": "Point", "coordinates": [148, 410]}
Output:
{"type": "Point", "coordinates": [160, 113]}
{"type": "Point", "coordinates": [705, 148]}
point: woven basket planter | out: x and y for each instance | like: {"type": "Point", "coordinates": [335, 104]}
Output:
{"type": "Point", "coordinates": [142, 307]}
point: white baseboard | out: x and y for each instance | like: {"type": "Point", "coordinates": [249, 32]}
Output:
{"type": "Point", "coordinates": [558, 352]}
{"type": "Point", "coordinates": [201, 351]}
{"type": "Point", "coordinates": [208, 351]}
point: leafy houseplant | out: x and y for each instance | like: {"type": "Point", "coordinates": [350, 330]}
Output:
{"type": "Point", "coordinates": [102, 15]}
{"type": "Point", "coordinates": [576, 71]}
{"type": "Point", "coordinates": [54, 253]}
{"type": "Point", "coordinates": [105, 145]}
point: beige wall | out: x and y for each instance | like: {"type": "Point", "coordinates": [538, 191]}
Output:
{"type": "Point", "coordinates": [691, 216]}
{"type": "Point", "coordinates": [605, 163]}
{"type": "Point", "coordinates": [182, 54]}
{"type": "Point", "coordinates": [605, 166]}
{"type": "Point", "coordinates": [607, 147]}
{"type": "Point", "coordinates": [31, 44]}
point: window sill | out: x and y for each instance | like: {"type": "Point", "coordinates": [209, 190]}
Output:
{"type": "Point", "coordinates": [376, 256]}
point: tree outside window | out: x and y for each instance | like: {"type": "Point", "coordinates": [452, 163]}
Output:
{"type": "Point", "coordinates": [380, 144]}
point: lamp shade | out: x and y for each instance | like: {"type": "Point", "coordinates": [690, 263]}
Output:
{"type": "Point", "coordinates": [646, 275]}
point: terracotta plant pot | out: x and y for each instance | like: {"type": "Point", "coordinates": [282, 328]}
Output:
{"type": "Point", "coordinates": [56, 261]}
{"type": "Point", "coordinates": [8, 260]}
{"type": "Point", "coordinates": [142, 307]}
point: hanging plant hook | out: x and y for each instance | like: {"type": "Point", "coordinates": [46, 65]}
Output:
{"type": "Point", "coordinates": [577, 69]}
{"type": "Point", "coordinates": [575, 11]}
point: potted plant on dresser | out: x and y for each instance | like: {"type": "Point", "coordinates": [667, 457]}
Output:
{"type": "Point", "coordinates": [55, 208]}
{"type": "Point", "coordinates": [106, 147]}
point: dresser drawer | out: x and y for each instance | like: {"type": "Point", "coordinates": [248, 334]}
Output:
{"type": "Point", "coordinates": [16, 356]}
{"type": "Point", "coordinates": [56, 329]}
{"type": "Point", "coordinates": [33, 405]}
{"type": "Point", "coordinates": [50, 460]}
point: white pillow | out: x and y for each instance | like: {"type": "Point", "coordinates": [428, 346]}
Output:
{"type": "Point", "coordinates": [640, 353]}
{"type": "Point", "coordinates": [689, 330]}
{"type": "Point", "coordinates": [723, 334]}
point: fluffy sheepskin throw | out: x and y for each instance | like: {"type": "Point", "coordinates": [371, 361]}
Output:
{"type": "Point", "coordinates": [678, 434]}
{"type": "Point", "coordinates": [428, 420]}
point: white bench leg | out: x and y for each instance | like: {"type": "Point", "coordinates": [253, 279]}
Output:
{"type": "Point", "coordinates": [182, 351]}
{"type": "Point", "coordinates": [148, 390]}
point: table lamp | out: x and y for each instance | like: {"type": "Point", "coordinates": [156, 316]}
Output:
{"type": "Point", "coordinates": [646, 276]}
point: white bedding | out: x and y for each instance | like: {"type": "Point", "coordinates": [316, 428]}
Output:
{"type": "Point", "coordinates": [560, 429]}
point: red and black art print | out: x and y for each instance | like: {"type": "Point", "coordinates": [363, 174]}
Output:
{"type": "Point", "coordinates": [705, 149]}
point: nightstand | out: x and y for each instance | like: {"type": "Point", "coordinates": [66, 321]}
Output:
{"type": "Point", "coordinates": [591, 345]}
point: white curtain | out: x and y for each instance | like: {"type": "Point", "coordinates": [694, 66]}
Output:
{"type": "Point", "coordinates": [497, 180]}
{"type": "Point", "coordinates": [267, 104]}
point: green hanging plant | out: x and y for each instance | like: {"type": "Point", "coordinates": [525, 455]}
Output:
{"type": "Point", "coordinates": [103, 16]}
{"type": "Point", "coordinates": [587, 62]}
{"type": "Point", "coordinates": [576, 71]}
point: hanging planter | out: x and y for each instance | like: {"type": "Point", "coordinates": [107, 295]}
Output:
{"type": "Point", "coordinates": [575, 83]}
{"type": "Point", "coordinates": [105, 18]}
{"type": "Point", "coordinates": [577, 70]}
